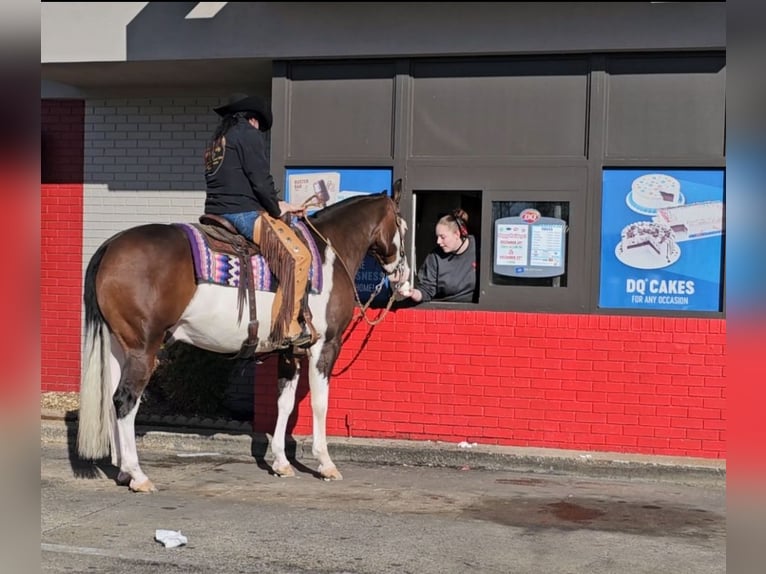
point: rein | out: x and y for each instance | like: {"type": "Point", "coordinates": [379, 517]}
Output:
{"type": "Point", "coordinates": [362, 307]}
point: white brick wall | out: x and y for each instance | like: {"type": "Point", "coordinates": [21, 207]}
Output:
{"type": "Point", "coordinates": [143, 163]}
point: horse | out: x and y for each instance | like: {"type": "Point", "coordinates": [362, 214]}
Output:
{"type": "Point", "coordinates": [140, 293]}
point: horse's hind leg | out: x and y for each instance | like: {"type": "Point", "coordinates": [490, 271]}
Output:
{"type": "Point", "coordinates": [136, 370]}
{"type": "Point", "coordinates": [116, 360]}
{"type": "Point", "coordinates": [115, 369]}
{"type": "Point", "coordinates": [288, 372]}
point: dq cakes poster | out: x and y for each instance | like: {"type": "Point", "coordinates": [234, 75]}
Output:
{"type": "Point", "coordinates": [662, 239]}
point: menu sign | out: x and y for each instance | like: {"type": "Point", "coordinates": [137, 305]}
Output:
{"type": "Point", "coordinates": [530, 245]}
{"type": "Point", "coordinates": [512, 243]}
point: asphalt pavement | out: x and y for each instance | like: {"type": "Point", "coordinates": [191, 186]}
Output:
{"type": "Point", "coordinates": [402, 507]}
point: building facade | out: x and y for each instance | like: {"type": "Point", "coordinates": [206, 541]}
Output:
{"type": "Point", "coordinates": [574, 114]}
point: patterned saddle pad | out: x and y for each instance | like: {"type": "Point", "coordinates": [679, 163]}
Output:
{"type": "Point", "coordinates": [224, 269]}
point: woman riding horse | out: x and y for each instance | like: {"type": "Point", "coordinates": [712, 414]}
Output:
{"type": "Point", "coordinates": [241, 189]}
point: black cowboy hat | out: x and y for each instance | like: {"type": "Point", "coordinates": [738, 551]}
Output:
{"type": "Point", "coordinates": [245, 103]}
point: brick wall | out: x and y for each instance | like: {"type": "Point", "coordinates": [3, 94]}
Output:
{"type": "Point", "coordinates": [108, 164]}
{"type": "Point", "coordinates": [602, 383]}
{"type": "Point", "coordinates": [61, 243]}
{"type": "Point", "coordinates": [143, 163]}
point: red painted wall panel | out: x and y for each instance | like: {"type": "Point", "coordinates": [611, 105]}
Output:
{"type": "Point", "coordinates": [605, 383]}
{"type": "Point", "coordinates": [61, 243]}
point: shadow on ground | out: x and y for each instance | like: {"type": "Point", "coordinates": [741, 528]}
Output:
{"type": "Point", "coordinates": [259, 450]}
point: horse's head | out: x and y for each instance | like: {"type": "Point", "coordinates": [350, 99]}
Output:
{"type": "Point", "coordinates": [366, 224]}
{"type": "Point", "coordinates": [388, 241]}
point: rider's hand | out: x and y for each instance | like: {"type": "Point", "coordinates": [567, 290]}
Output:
{"type": "Point", "coordinates": [285, 207]}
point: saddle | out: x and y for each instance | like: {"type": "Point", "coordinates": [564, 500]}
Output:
{"type": "Point", "coordinates": [223, 237]}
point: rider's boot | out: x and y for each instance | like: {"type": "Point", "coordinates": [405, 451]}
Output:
{"type": "Point", "coordinates": [301, 333]}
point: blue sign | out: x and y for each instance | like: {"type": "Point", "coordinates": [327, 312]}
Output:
{"type": "Point", "coordinates": [661, 239]}
{"type": "Point", "coordinates": [320, 187]}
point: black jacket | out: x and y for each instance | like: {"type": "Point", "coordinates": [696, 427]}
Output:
{"type": "Point", "coordinates": [237, 175]}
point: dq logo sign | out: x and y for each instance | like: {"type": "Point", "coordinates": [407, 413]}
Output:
{"type": "Point", "coordinates": [530, 215]}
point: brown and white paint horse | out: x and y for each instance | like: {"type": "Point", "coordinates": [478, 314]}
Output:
{"type": "Point", "coordinates": [140, 288]}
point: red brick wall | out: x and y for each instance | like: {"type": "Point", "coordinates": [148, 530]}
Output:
{"type": "Point", "coordinates": [605, 383]}
{"type": "Point", "coordinates": [61, 243]}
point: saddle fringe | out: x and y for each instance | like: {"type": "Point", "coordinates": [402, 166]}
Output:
{"type": "Point", "coordinates": [283, 266]}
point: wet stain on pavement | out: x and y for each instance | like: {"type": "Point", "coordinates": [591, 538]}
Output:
{"type": "Point", "coordinates": [574, 512]}
{"type": "Point", "coordinates": [534, 514]}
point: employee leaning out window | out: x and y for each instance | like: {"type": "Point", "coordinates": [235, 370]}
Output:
{"type": "Point", "coordinates": [449, 271]}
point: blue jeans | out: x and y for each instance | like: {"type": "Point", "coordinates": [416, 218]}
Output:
{"type": "Point", "coordinates": [243, 222]}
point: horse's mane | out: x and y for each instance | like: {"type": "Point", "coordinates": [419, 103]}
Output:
{"type": "Point", "coordinates": [330, 211]}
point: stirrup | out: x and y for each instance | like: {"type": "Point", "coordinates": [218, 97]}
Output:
{"type": "Point", "coordinates": [302, 340]}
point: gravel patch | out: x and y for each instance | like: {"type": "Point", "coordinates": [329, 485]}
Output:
{"type": "Point", "coordinates": [60, 401]}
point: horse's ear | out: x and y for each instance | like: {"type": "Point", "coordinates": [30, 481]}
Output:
{"type": "Point", "coordinates": [397, 191]}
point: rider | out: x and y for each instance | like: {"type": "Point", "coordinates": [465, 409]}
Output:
{"type": "Point", "coordinates": [241, 189]}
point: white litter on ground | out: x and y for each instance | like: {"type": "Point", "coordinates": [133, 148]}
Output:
{"type": "Point", "coordinates": [466, 444]}
{"type": "Point", "coordinates": [170, 538]}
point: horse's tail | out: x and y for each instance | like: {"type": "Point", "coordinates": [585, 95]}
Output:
{"type": "Point", "coordinates": [96, 415]}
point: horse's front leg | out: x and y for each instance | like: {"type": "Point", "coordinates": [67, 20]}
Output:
{"type": "Point", "coordinates": [288, 371]}
{"type": "Point", "coordinates": [319, 386]}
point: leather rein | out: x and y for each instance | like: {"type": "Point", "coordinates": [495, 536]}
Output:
{"type": "Point", "coordinates": [364, 306]}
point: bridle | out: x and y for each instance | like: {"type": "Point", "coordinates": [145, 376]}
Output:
{"type": "Point", "coordinates": [398, 271]}
{"type": "Point", "coordinates": [400, 267]}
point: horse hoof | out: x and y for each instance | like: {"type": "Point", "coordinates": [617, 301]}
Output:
{"type": "Point", "coordinates": [123, 479]}
{"type": "Point", "coordinates": [145, 486]}
{"type": "Point", "coordinates": [284, 472]}
{"type": "Point", "coordinates": [330, 473]}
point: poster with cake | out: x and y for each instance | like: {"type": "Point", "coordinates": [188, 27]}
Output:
{"type": "Point", "coordinates": [662, 239]}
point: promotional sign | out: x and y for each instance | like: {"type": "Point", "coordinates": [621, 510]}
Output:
{"type": "Point", "coordinates": [530, 245]}
{"type": "Point", "coordinates": [318, 188]}
{"type": "Point", "coordinates": [661, 239]}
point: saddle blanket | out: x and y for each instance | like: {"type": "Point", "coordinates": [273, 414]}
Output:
{"type": "Point", "coordinates": [224, 269]}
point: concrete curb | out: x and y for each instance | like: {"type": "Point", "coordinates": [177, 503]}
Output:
{"type": "Point", "coordinates": [222, 438]}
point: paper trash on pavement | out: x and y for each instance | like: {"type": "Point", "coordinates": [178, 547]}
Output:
{"type": "Point", "coordinates": [170, 538]}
